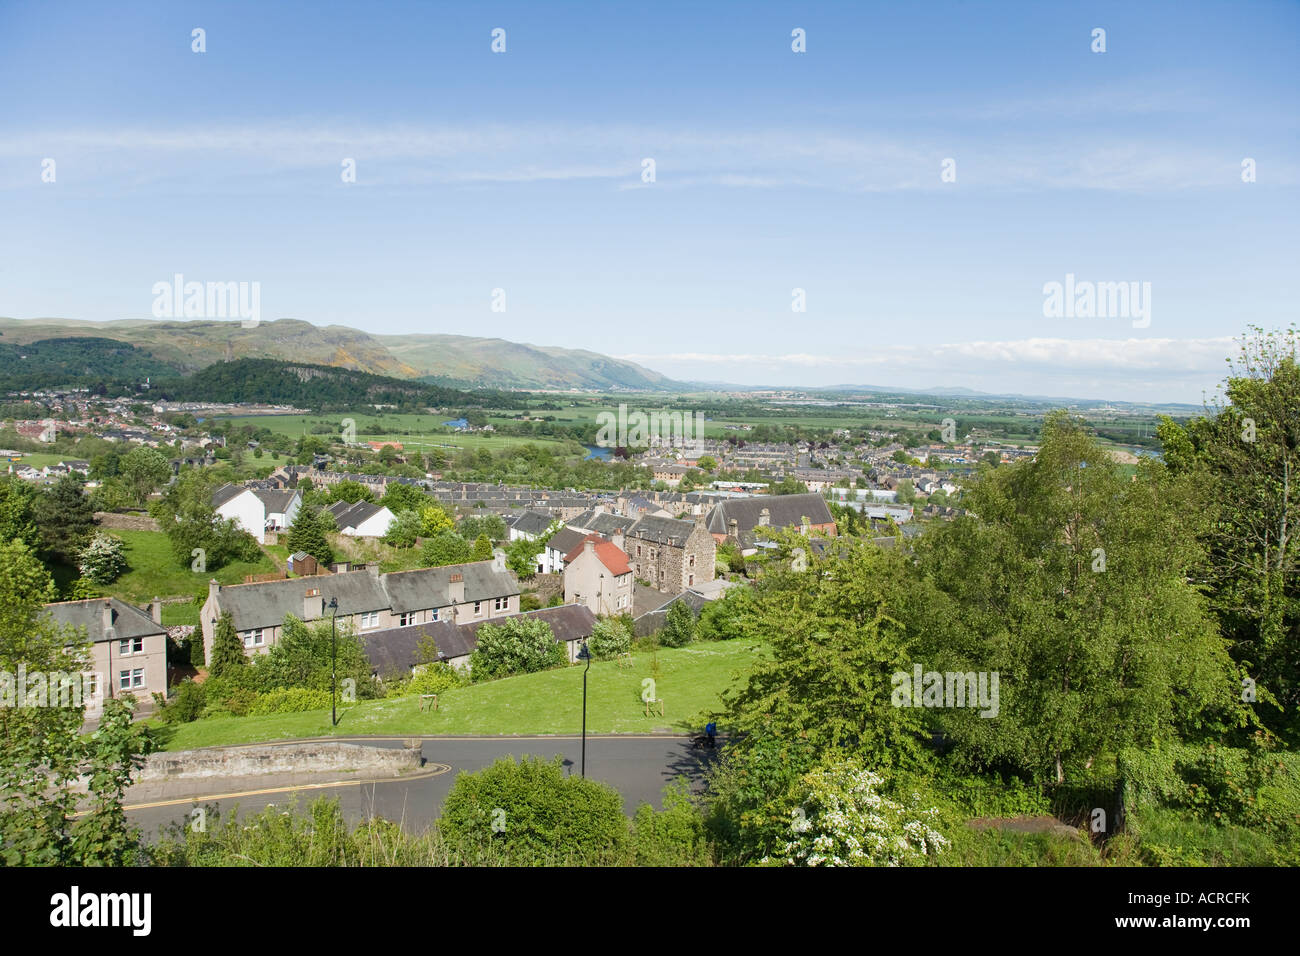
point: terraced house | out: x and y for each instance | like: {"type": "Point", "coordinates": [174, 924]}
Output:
{"type": "Point", "coordinates": [128, 645]}
{"type": "Point", "coordinates": [370, 601]}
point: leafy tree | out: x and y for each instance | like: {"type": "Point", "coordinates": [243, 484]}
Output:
{"type": "Point", "coordinates": [679, 625]}
{"type": "Point", "coordinates": [1247, 451]}
{"type": "Point", "coordinates": [906, 493]}
{"type": "Point", "coordinates": [187, 517]}
{"type": "Point", "coordinates": [494, 526]}
{"type": "Point", "coordinates": [406, 527]}
{"type": "Point", "coordinates": [836, 623]}
{"type": "Point", "coordinates": [227, 649]}
{"type": "Point", "coordinates": [42, 752]}
{"type": "Point", "coordinates": [143, 471]}
{"type": "Point", "coordinates": [789, 486]}
{"type": "Point", "coordinates": [517, 645]}
{"type": "Point", "coordinates": [308, 534]}
{"type": "Point", "coordinates": [443, 549]}
{"type": "Point", "coordinates": [17, 499]}
{"type": "Point", "coordinates": [436, 520]}
{"type": "Point", "coordinates": [306, 655]}
{"type": "Point", "coordinates": [707, 464]}
{"type": "Point", "coordinates": [1071, 582]}
{"type": "Point", "coordinates": [521, 557]}
{"type": "Point", "coordinates": [610, 637]}
{"type": "Point", "coordinates": [482, 550]}
{"type": "Point", "coordinates": [400, 497]}
{"type": "Point", "coordinates": [104, 559]}
{"type": "Point", "coordinates": [349, 491]}
{"type": "Point", "coordinates": [64, 518]}
{"type": "Point", "coordinates": [726, 618]}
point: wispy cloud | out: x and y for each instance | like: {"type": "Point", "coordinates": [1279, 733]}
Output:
{"type": "Point", "coordinates": [738, 158]}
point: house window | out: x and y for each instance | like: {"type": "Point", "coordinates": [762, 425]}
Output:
{"type": "Point", "coordinates": [500, 604]}
{"type": "Point", "coordinates": [255, 637]}
{"type": "Point", "coordinates": [622, 601]}
{"type": "Point", "coordinates": [638, 550]}
{"type": "Point", "coordinates": [478, 608]}
{"type": "Point", "coordinates": [369, 619]}
{"type": "Point", "coordinates": [133, 646]}
{"type": "Point", "coordinates": [90, 684]}
{"type": "Point", "coordinates": [129, 680]}
{"type": "Point", "coordinates": [692, 564]}
{"type": "Point", "coordinates": [690, 580]}
{"type": "Point", "coordinates": [406, 619]}
{"type": "Point", "coordinates": [433, 615]}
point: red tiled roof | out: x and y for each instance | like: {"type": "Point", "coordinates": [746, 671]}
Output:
{"type": "Point", "coordinates": [611, 555]}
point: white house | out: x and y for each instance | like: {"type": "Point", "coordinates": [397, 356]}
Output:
{"type": "Point", "coordinates": [361, 520]}
{"type": "Point", "coordinates": [257, 510]}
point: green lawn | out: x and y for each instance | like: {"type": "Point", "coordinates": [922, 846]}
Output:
{"type": "Point", "coordinates": [154, 571]}
{"type": "Point", "coordinates": [689, 682]}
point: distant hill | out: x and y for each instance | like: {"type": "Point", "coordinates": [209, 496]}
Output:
{"type": "Point", "coordinates": [76, 361]}
{"type": "Point", "coordinates": [310, 386]}
{"type": "Point", "coordinates": [453, 360]}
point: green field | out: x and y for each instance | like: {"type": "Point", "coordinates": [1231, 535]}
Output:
{"type": "Point", "coordinates": [421, 432]}
{"type": "Point", "coordinates": [550, 702]}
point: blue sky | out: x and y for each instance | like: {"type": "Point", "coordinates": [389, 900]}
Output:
{"type": "Point", "coordinates": [775, 170]}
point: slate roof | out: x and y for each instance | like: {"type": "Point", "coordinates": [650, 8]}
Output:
{"type": "Point", "coordinates": [276, 501]}
{"type": "Point", "coordinates": [603, 523]}
{"type": "Point", "coordinates": [565, 540]}
{"type": "Point", "coordinates": [128, 621]}
{"type": "Point", "coordinates": [265, 604]}
{"type": "Point", "coordinates": [671, 531]}
{"type": "Point", "coordinates": [532, 522]}
{"type": "Point", "coordinates": [226, 493]}
{"type": "Point", "coordinates": [787, 511]}
{"type": "Point", "coordinates": [354, 515]}
{"type": "Point", "coordinates": [392, 651]}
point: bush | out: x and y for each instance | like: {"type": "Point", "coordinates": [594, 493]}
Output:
{"type": "Point", "coordinates": [610, 638]}
{"type": "Point", "coordinates": [187, 703]}
{"type": "Point", "coordinates": [675, 836]}
{"type": "Point", "coordinates": [104, 560]}
{"type": "Point", "coordinates": [432, 679]}
{"type": "Point", "coordinates": [531, 809]}
{"type": "Point", "coordinates": [515, 646]}
{"type": "Point", "coordinates": [290, 700]}
{"type": "Point", "coordinates": [679, 625]}
{"type": "Point", "coordinates": [838, 817]}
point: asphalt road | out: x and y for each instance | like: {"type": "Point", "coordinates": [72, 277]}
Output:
{"type": "Point", "coordinates": [638, 767]}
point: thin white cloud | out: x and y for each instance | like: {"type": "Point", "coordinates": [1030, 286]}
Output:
{"type": "Point", "coordinates": [738, 158]}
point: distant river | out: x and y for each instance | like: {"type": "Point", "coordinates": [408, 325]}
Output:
{"type": "Point", "coordinates": [603, 454]}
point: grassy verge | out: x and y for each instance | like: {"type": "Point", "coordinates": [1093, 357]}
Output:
{"type": "Point", "coordinates": [690, 681]}
{"type": "Point", "coordinates": [154, 572]}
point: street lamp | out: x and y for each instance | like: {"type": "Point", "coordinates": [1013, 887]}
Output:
{"type": "Point", "coordinates": [334, 654]}
{"type": "Point", "coordinates": [584, 655]}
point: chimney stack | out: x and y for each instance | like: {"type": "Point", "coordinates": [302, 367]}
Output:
{"type": "Point", "coordinates": [311, 602]}
{"type": "Point", "coordinates": [155, 610]}
{"type": "Point", "coordinates": [456, 588]}
{"type": "Point", "coordinates": [588, 546]}
{"type": "Point", "coordinates": [733, 528]}
{"type": "Point", "coordinates": [106, 617]}
{"type": "Point", "coordinates": [619, 540]}
{"type": "Point", "coordinates": [498, 560]}
{"type": "Point", "coordinates": [373, 568]}
{"type": "Point", "coordinates": [764, 518]}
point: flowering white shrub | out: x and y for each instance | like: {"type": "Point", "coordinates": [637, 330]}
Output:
{"type": "Point", "coordinates": [103, 560]}
{"type": "Point", "coordinates": [842, 820]}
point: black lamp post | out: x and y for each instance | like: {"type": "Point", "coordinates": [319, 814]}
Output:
{"type": "Point", "coordinates": [584, 655]}
{"type": "Point", "coordinates": [334, 653]}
